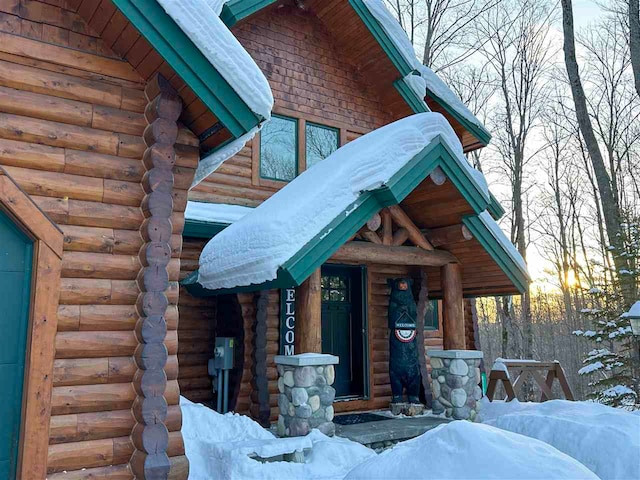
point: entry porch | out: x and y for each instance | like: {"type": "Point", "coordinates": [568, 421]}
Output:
{"type": "Point", "coordinates": [308, 270]}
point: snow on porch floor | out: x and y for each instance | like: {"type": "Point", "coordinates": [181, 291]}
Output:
{"type": "Point", "coordinates": [391, 430]}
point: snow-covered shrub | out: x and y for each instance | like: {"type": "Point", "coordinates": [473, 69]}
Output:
{"type": "Point", "coordinates": [613, 364]}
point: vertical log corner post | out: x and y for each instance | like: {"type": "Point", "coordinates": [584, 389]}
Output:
{"type": "Point", "coordinates": [452, 307]}
{"type": "Point", "coordinates": [150, 435]}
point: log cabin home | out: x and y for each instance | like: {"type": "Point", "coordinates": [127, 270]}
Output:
{"type": "Point", "coordinates": [135, 132]}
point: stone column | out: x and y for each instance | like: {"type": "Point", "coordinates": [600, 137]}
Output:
{"type": "Point", "coordinates": [306, 395]}
{"type": "Point", "coordinates": [455, 383]}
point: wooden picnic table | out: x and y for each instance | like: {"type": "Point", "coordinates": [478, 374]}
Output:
{"type": "Point", "coordinates": [502, 371]}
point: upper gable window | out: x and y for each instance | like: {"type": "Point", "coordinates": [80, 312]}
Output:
{"type": "Point", "coordinates": [320, 142]}
{"type": "Point", "coordinates": [279, 149]}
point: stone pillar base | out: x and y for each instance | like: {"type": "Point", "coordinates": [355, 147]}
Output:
{"type": "Point", "coordinates": [455, 377]}
{"type": "Point", "coordinates": [306, 395]}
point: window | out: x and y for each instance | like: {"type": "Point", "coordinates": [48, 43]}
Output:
{"type": "Point", "coordinates": [321, 142]}
{"type": "Point", "coordinates": [335, 288]}
{"type": "Point", "coordinates": [278, 149]}
{"type": "Point", "coordinates": [431, 317]}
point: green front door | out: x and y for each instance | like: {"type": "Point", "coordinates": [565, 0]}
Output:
{"type": "Point", "coordinates": [343, 327]}
{"type": "Point", "coordinates": [16, 258]}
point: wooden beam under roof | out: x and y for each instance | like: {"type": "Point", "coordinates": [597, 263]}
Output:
{"type": "Point", "coordinates": [390, 255]}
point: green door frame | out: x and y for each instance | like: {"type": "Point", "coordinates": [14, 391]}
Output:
{"type": "Point", "coordinates": [364, 308]}
{"type": "Point", "coordinates": [15, 404]}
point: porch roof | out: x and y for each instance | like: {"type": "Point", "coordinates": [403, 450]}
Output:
{"type": "Point", "coordinates": [282, 241]}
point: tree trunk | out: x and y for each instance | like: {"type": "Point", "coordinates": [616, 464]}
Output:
{"type": "Point", "coordinates": [610, 208]}
{"type": "Point", "coordinates": [634, 41]}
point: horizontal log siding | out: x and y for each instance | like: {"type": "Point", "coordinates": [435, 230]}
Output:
{"type": "Point", "coordinates": [311, 79]}
{"type": "Point", "coordinates": [197, 338]}
{"type": "Point", "coordinates": [71, 124]}
{"type": "Point", "coordinates": [196, 331]}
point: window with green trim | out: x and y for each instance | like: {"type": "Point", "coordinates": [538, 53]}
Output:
{"type": "Point", "coordinates": [320, 142]}
{"type": "Point", "coordinates": [431, 317]}
{"type": "Point", "coordinates": [279, 149]}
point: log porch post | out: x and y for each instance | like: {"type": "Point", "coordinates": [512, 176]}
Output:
{"type": "Point", "coordinates": [309, 322]}
{"type": "Point", "coordinates": [452, 306]}
{"type": "Point", "coordinates": [150, 435]}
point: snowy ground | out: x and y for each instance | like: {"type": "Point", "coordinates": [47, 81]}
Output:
{"type": "Point", "coordinates": [605, 439]}
{"type": "Point", "coordinates": [218, 445]}
{"type": "Point", "coordinates": [552, 440]}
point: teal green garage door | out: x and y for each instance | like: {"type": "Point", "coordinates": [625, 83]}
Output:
{"type": "Point", "coordinates": [16, 258]}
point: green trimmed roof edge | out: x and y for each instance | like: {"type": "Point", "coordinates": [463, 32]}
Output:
{"type": "Point", "coordinates": [508, 265]}
{"type": "Point", "coordinates": [416, 103]}
{"type": "Point", "coordinates": [202, 229]}
{"type": "Point", "coordinates": [173, 45]}
{"type": "Point", "coordinates": [382, 38]}
{"type": "Point", "coordinates": [479, 132]}
{"type": "Point", "coordinates": [495, 208]}
{"type": "Point", "coordinates": [235, 10]}
{"type": "Point", "coordinates": [318, 250]}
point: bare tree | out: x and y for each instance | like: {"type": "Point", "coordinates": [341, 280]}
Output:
{"type": "Point", "coordinates": [515, 44]}
{"type": "Point", "coordinates": [611, 210]}
{"type": "Point", "coordinates": [634, 41]}
{"type": "Point", "coordinates": [443, 27]}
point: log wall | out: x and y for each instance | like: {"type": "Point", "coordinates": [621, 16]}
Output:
{"type": "Point", "coordinates": [197, 330]}
{"type": "Point", "coordinates": [71, 135]}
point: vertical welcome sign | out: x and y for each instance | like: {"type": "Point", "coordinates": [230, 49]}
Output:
{"type": "Point", "coordinates": [287, 320]}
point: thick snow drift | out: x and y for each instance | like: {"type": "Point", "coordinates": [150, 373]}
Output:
{"type": "Point", "coordinates": [465, 450]}
{"type": "Point", "coordinates": [605, 439]}
{"type": "Point", "coordinates": [218, 447]}
{"type": "Point", "coordinates": [251, 250]}
{"type": "Point", "coordinates": [199, 20]}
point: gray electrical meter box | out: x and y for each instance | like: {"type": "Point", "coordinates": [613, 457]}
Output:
{"type": "Point", "coordinates": [223, 354]}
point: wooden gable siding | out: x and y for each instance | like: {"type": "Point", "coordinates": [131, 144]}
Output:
{"type": "Point", "coordinates": [115, 35]}
{"type": "Point", "coordinates": [311, 78]}
{"type": "Point", "coordinates": [71, 124]}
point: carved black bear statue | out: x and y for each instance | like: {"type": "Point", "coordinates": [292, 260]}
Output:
{"type": "Point", "coordinates": [404, 370]}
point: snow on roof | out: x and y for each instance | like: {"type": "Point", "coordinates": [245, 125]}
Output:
{"type": "Point", "coordinates": [393, 30]}
{"type": "Point", "coordinates": [433, 83]}
{"type": "Point", "coordinates": [252, 250]}
{"type": "Point", "coordinates": [502, 239]}
{"type": "Point", "coordinates": [211, 162]}
{"type": "Point", "coordinates": [199, 20]}
{"type": "Point", "coordinates": [215, 212]}
{"type": "Point", "coordinates": [634, 311]}
{"type": "Point", "coordinates": [440, 89]}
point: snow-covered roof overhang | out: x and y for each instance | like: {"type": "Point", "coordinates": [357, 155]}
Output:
{"type": "Point", "coordinates": [394, 41]}
{"type": "Point", "coordinates": [282, 241]}
{"type": "Point", "coordinates": [198, 46]}
{"type": "Point", "coordinates": [485, 229]}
